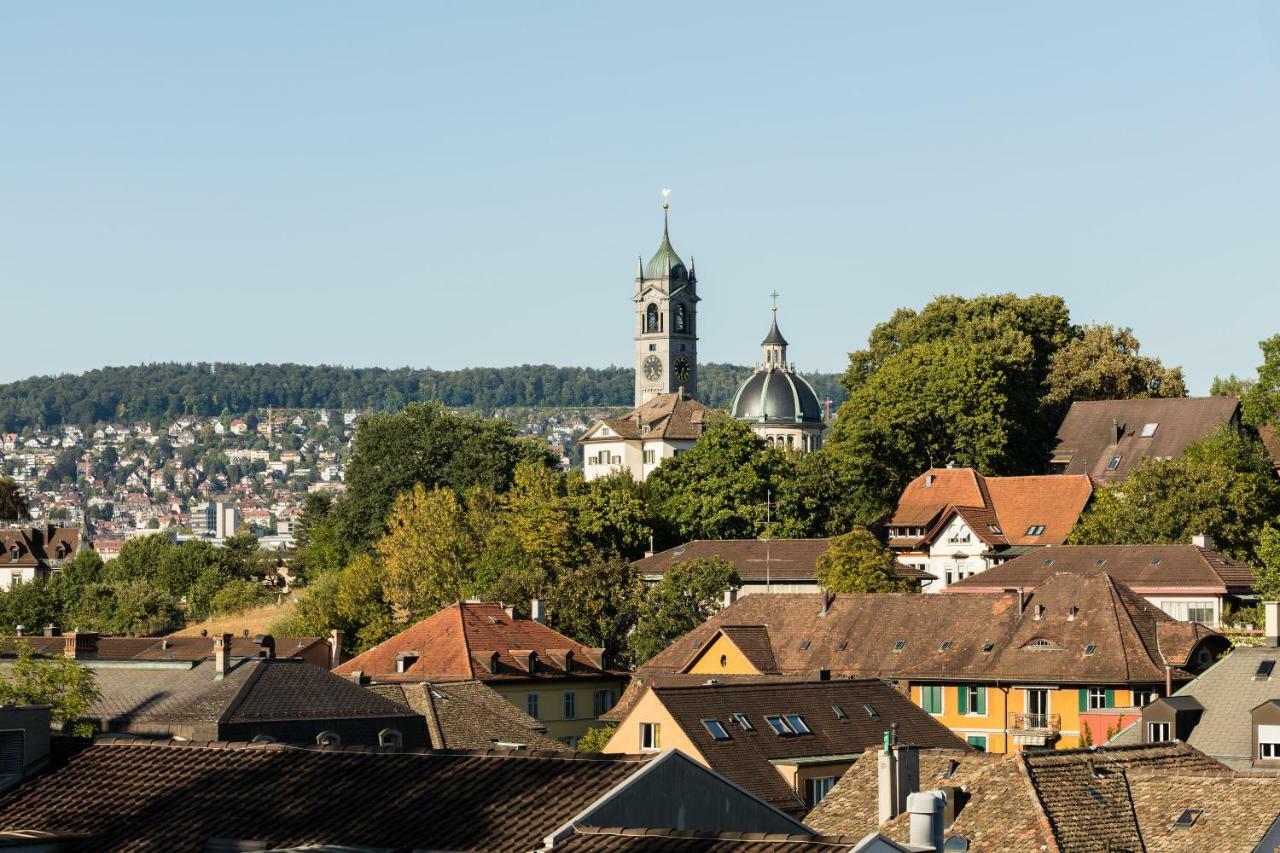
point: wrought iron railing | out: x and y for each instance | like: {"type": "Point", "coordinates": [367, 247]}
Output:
{"type": "Point", "coordinates": [1035, 722]}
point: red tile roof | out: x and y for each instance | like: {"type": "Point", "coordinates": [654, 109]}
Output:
{"type": "Point", "coordinates": [459, 642]}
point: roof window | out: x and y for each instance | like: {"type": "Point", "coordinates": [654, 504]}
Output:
{"type": "Point", "coordinates": [1149, 430]}
{"type": "Point", "coordinates": [1035, 530]}
{"type": "Point", "coordinates": [1101, 562]}
{"type": "Point", "coordinates": [900, 645]}
{"type": "Point", "coordinates": [1049, 562]}
{"type": "Point", "coordinates": [995, 528]}
{"type": "Point", "coordinates": [871, 711]}
{"type": "Point", "coordinates": [946, 644]}
{"type": "Point", "coordinates": [717, 731]}
{"type": "Point", "coordinates": [1090, 649]}
{"type": "Point", "coordinates": [1114, 463]}
{"type": "Point", "coordinates": [743, 722]}
{"type": "Point", "coordinates": [1188, 818]}
{"type": "Point", "coordinates": [778, 725]}
{"type": "Point", "coordinates": [697, 644]}
{"type": "Point", "coordinates": [1264, 669]}
{"type": "Point", "coordinates": [797, 724]}
{"type": "Point", "coordinates": [839, 712]}
{"type": "Point", "coordinates": [804, 646]}
{"type": "Point", "coordinates": [987, 647]}
{"type": "Point", "coordinates": [1155, 561]}
{"type": "Point", "coordinates": [842, 645]}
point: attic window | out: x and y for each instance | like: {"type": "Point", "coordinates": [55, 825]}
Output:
{"type": "Point", "coordinates": [987, 647]}
{"type": "Point", "coordinates": [797, 724]}
{"type": "Point", "coordinates": [778, 725]}
{"type": "Point", "coordinates": [842, 645]}
{"type": "Point", "coordinates": [946, 644]}
{"type": "Point", "coordinates": [1049, 562]}
{"type": "Point", "coordinates": [1039, 643]}
{"type": "Point", "coordinates": [1114, 463]}
{"type": "Point", "coordinates": [1155, 561]}
{"type": "Point", "coordinates": [1035, 530]}
{"type": "Point", "coordinates": [839, 712]}
{"type": "Point", "coordinates": [1090, 649]}
{"type": "Point", "coordinates": [1188, 818]}
{"type": "Point", "coordinates": [900, 645]}
{"type": "Point", "coordinates": [1264, 669]}
{"type": "Point", "coordinates": [804, 646]}
{"type": "Point", "coordinates": [1101, 562]}
{"type": "Point", "coordinates": [871, 711]}
{"type": "Point", "coordinates": [1149, 430]}
{"type": "Point", "coordinates": [717, 731]}
{"type": "Point", "coordinates": [995, 528]}
{"type": "Point", "coordinates": [697, 644]}
{"type": "Point", "coordinates": [743, 722]}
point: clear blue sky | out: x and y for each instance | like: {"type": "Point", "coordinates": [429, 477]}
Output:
{"type": "Point", "coordinates": [455, 184]}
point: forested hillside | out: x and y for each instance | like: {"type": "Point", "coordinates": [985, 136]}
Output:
{"type": "Point", "coordinates": [158, 391]}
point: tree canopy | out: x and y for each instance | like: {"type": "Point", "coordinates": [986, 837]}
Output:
{"type": "Point", "coordinates": [856, 562]}
{"type": "Point", "coordinates": [689, 593]}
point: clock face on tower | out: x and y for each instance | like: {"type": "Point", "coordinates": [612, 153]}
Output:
{"type": "Point", "coordinates": [681, 367]}
{"type": "Point", "coordinates": [652, 368]}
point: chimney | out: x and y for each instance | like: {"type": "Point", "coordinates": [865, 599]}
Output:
{"type": "Point", "coordinates": [538, 611]}
{"type": "Point", "coordinates": [1271, 621]}
{"type": "Point", "coordinates": [926, 809]}
{"type": "Point", "coordinates": [51, 630]}
{"type": "Point", "coordinates": [510, 610]}
{"type": "Point", "coordinates": [826, 602]}
{"type": "Point", "coordinates": [80, 644]}
{"type": "Point", "coordinates": [221, 656]}
{"type": "Point", "coordinates": [1116, 432]}
{"type": "Point", "coordinates": [1071, 613]}
{"type": "Point", "coordinates": [650, 552]}
{"type": "Point", "coordinates": [1168, 680]}
{"type": "Point", "coordinates": [1037, 612]}
{"type": "Point", "coordinates": [335, 648]}
{"type": "Point", "coordinates": [266, 645]}
{"type": "Point", "coordinates": [1022, 600]}
{"type": "Point", "coordinates": [898, 769]}
{"type": "Point", "coordinates": [928, 480]}
{"type": "Point", "coordinates": [824, 675]}
{"type": "Point", "coordinates": [1203, 540]}
{"type": "Point", "coordinates": [20, 629]}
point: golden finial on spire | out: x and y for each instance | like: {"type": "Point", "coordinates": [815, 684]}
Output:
{"type": "Point", "coordinates": [666, 198]}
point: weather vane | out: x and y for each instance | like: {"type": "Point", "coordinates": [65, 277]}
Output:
{"type": "Point", "coordinates": [666, 198]}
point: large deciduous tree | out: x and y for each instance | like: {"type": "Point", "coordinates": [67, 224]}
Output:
{"type": "Point", "coordinates": [68, 688]}
{"type": "Point", "coordinates": [1104, 364]}
{"type": "Point", "coordinates": [428, 552]}
{"type": "Point", "coordinates": [597, 604]}
{"type": "Point", "coordinates": [13, 504]}
{"type": "Point", "coordinates": [856, 562]}
{"type": "Point", "coordinates": [1224, 485]}
{"type": "Point", "coordinates": [689, 593]}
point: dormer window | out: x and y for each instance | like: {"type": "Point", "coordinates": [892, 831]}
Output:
{"type": "Point", "coordinates": [404, 660]}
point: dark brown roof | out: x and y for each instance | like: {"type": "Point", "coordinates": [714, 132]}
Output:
{"type": "Point", "coordinates": [458, 644]}
{"type": "Point", "coordinates": [1001, 511]}
{"type": "Point", "coordinates": [1094, 432]}
{"type": "Point", "coordinates": [1143, 568]}
{"type": "Point", "coordinates": [1271, 441]}
{"type": "Point", "coordinates": [858, 634]}
{"type": "Point", "coordinates": [614, 839]}
{"type": "Point", "coordinates": [779, 560]}
{"type": "Point", "coordinates": [173, 648]}
{"type": "Point", "coordinates": [1070, 800]}
{"type": "Point", "coordinates": [745, 756]}
{"type": "Point", "coordinates": [176, 796]}
{"type": "Point", "coordinates": [38, 546]}
{"type": "Point", "coordinates": [469, 715]}
{"type": "Point", "coordinates": [669, 416]}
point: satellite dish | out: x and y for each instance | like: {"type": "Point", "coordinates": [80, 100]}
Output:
{"type": "Point", "coordinates": [956, 844]}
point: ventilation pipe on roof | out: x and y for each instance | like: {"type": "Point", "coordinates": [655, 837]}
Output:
{"type": "Point", "coordinates": [898, 774]}
{"type": "Point", "coordinates": [1037, 612]}
{"type": "Point", "coordinates": [926, 809]}
{"type": "Point", "coordinates": [1116, 432]}
{"type": "Point", "coordinates": [1271, 622]}
{"type": "Point", "coordinates": [1168, 680]}
{"type": "Point", "coordinates": [1071, 613]}
{"type": "Point", "coordinates": [51, 630]}
{"type": "Point", "coordinates": [20, 629]}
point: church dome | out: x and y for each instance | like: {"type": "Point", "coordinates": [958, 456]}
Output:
{"type": "Point", "coordinates": [774, 395]}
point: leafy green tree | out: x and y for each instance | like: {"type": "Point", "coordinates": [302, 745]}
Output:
{"type": "Point", "coordinates": [134, 608]}
{"type": "Point", "coordinates": [13, 504]}
{"type": "Point", "coordinates": [1103, 364]}
{"type": "Point", "coordinates": [610, 513]}
{"type": "Point", "coordinates": [140, 558]}
{"type": "Point", "coordinates": [428, 553]}
{"type": "Point", "coordinates": [1266, 569]}
{"type": "Point", "coordinates": [68, 688]}
{"type": "Point", "coordinates": [857, 563]}
{"type": "Point", "coordinates": [361, 604]}
{"type": "Point", "coordinates": [690, 592]}
{"type": "Point", "coordinates": [237, 596]}
{"type": "Point", "coordinates": [28, 604]}
{"type": "Point", "coordinates": [1261, 402]}
{"type": "Point", "coordinates": [320, 545]}
{"type": "Point", "coordinates": [597, 604]}
{"type": "Point", "coordinates": [1230, 386]}
{"type": "Point", "coordinates": [66, 586]}
{"type": "Point", "coordinates": [1224, 485]}
{"type": "Point", "coordinates": [426, 445]}
{"type": "Point", "coordinates": [720, 488]}
{"type": "Point", "coordinates": [597, 737]}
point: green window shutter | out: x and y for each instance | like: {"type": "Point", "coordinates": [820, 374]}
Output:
{"type": "Point", "coordinates": [982, 702]}
{"type": "Point", "coordinates": [962, 698]}
{"type": "Point", "coordinates": [1084, 698]}
{"type": "Point", "coordinates": [1111, 698]}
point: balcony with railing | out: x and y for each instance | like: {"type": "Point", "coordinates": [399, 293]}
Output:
{"type": "Point", "coordinates": [1028, 729]}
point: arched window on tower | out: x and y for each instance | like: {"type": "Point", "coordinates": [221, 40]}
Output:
{"type": "Point", "coordinates": [680, 320]}
{"type": "Point", "coordinates": [651, 318]}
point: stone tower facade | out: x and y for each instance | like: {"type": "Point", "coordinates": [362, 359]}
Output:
{"type": "Point", "coordinates": [666, 301]}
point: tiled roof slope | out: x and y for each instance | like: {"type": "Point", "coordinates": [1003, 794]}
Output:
{"type": "Point", "coordinates": [597, 839]}
{"type": "Point", "coordinates": [1093, 432]}
{"type": "Point", "coordinates": [177, 796]}
{"type": "Point", "coordinates": [456, 645]}
{"type": "Point", "coordinates": [670, 416]}
{"type": "Point", "coordinates": [1069, 800]}
{"type": "Point", "coordinates": [1237, 814]}
{"type": "Point", "coordinates": [26, 547]}
{"type": "Point", "coordinates": [172, 648]}
{"type": "Point", "coordinates": [858, 634]}
{"type": "Point", "coordinates": [1010, 505]}
{"type": "Point", "coordinates": [746, 755]}
{"type": "Point", "coordinates": [469, 715]}
{"type": "Point", "coordinates": [756, 559]}
{"type": "Point", "coordinates": [1140, 567]}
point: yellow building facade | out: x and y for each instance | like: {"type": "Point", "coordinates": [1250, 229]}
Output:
{"type": "Point", "coordinates": [568, 709]}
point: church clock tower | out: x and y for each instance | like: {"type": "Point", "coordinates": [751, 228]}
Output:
{"type": "Point", "coordinates": [666, 303]}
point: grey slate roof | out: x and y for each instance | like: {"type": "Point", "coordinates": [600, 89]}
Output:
{"type": "Point", "coordinates": [469, 715]}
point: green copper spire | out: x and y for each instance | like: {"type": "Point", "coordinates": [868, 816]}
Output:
{"type": "Point", "coordinates": [665, 262]}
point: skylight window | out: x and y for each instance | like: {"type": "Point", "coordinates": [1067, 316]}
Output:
{"type": "Point", "coordinates": [871, 711]}
{"type": "Point", "coordinates": [804, 646]}
{"type": "Point", "coordinates": [839, 712]}
{"type": "Point", "coordinates": [987, 647]}
{"type": "Point", "coordinates": [900, 645]}
{"type": "Point", "coordinates": [796, 722]}
{"type": "Point", "coordinates": [778, 725]}
{"type": "Point", "coordinates": [1049, 562]}
{"type": "Point", "coordinates": [842, 645]}
{"type": "Point", "coordinates": [1149, 430]}
{"type": "Point", "coordinates": [1101, 562]}
{"type": "Point", "coordinates": [995, 528]}
{"type": "Point", "coordinates": [1264, 669]}
{"type": "Point", "coordinates": [1114, 463]}
{"type": "Point", "coordinates": [743, 722]}
{"type": "Point", "coordinates": [1090, 649]}
{"type": "Point", "coordinates": [1188, 818]}
{"type": "Point", "coordinates": [1155, 561]}
{"type": "Point", "coordinates": [946, 644]}
{"type": "Point", "coordinates": [1035, 530]}
{"type": "Point", "coordinates": [717, 731]}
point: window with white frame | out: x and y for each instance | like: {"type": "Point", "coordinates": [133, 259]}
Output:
{"type": "Point", "coordinates": [1190, 611]}
{"type": "Point", "coordinates": [1097, 698]}
{"type": "Point", "coordinates": [651, 736]}
{"type": "Point", "coordinates": [1157, 732]}
{"type": "Point", "coordinates": [817, 788]}
{"type": "Point", "coordinates": [1268, 743]}
{"type": "Point", "coordinates": [650, 456]}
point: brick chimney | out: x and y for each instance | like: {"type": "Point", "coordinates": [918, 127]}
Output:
{"type": "Point", "coordinates": [80, 644]}
{"type": "Point", "coordinates": [221, 655]}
